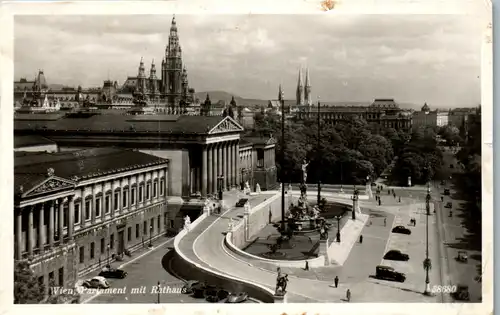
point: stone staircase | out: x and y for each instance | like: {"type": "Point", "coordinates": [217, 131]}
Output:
{"type": "Point", "coordinates": [349, 235]}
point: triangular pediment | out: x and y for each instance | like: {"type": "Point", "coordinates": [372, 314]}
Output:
{"type": "Point", "coordinates": [226, 125]}
{"type": "Point", "coordinates": [51, 184]}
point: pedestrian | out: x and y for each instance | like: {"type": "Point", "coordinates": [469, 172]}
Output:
{"type": "Point", "coordinates": [394, 195]}
{"type": "Point", "coordinates": [307, 265]}
{"type": "Point", "coordinates": [379, 202]}
{"type": "Point", "coordinates": [442, 198]}
{"type": "Point", "coordinates": [399, 198]}
{"type": "Point", "coordinates": [348, 295]}
{"type": "Point", "coordinates": [361, 239]}
{"type": "Point", "coordinates": [336, 281]}
{"type": "Point", "coordinates": [388, 192]}
{"type": "Point", "coordinates": [414, 222]}
{"type": "Point", "coordinates": [385, 221]}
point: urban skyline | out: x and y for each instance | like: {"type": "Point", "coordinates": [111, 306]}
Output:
{"type": "Point", "coordinates": [441, 62]}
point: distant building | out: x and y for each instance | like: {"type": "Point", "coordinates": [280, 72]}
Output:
{"type": "Point", "coordinates": [385, 112]}
{"type": "Point", "coordinates": [424, 118]}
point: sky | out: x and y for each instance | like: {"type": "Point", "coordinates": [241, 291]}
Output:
{"type": "Point", "coordinates": [356, 58]}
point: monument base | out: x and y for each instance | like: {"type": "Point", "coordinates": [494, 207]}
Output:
{"type": "Point", "coordinates": [280, 298]}
{"type": "Point", "coordinates": [323, 251]}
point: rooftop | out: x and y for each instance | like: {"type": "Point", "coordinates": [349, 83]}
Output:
{"type": "Point", "coordinates": [172, 124]}
{"type": "Point", "coordinates": [31, 169]}
{"type": "Point", "coordinates": [31, 140]}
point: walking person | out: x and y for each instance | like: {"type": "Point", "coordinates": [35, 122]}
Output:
{"type": "Point", "coordinates": [361, 239]}
{"type": "Point", "coordinates": [348, 295]}
{"type": "Point", "coordinates": [385, 221]}
{"type": "Point", "coordinates": [336, 281]}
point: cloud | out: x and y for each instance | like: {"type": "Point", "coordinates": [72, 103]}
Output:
{"type": "Point", "coordinates": [413, 58]}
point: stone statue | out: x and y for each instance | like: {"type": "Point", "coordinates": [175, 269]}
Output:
{"type": "Point", "coordinates": [281, 283]}
{"type": "Point", "coordinates": [257, 188]}
{"type": "Point", "coordinates": [230, 225]}
{"type": "Point", "coordinates": [187, 222]}
{"type": "Point", "coordinates": [304, 171]}
{"type": "Point", "coordinates": [315, 211]}
{"type": "Point", "coordinates": [323, 231]}
{"type": "Point", "coordinates": [247, 188]}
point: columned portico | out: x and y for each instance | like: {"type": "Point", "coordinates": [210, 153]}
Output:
{"type": "Point", "coordinates": [204, 171]}
{"type": "Point", "coordinates": [210, 168]}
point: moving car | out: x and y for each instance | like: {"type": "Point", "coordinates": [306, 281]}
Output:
{"type": "Point", "coordinates": [388, 273]}
{"type": "Point", "coordinates": [449, 205]}
{"type": "Point", "coordinates": [396, 255]}
{"type": "Point", "coordinates": [188, 286]}
{"type": "Point", "coordinates": [238, 297]}
{"type": "Point", "coordinates": [199, 289]}
{"type": "Point", "coordinates": [446, 192]}
{"type": "Point", "coordinates": [241, 202]}
{"type": "Point", "coordinates": [401, 230]}
{"type": "Point", "coordinates": [113, 273]}
{"type": "Point", "coordinates": [97, 282]}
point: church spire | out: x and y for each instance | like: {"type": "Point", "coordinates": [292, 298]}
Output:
{"type": "Point", "coordinates": [300, 88]}
{"type": "Point", "coordinates": [307, 89]}
{"type": "Point", "coordinates": [280, 93]}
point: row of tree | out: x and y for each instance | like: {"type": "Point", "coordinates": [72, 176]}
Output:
{"type": "Point", "coordinates": [347, 153]}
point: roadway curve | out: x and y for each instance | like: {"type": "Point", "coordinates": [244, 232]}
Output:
{"type": "Point", "coordinates": [209, 248]}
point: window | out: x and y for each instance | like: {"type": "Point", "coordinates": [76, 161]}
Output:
{"type": "Point", "coordinates": [124, 199]}
{"type": "Point", "coordinates": [40, 279]}
{"type": "Point", "coordinates": [171, 223]}
{"type": "Point", "coordinates": [77, 213]}
{"type": "Point", "coordinates": [82, 254]}
{"type": "Point", "coordinates": [98, 207]}
{"type": "Point", "coordinates": [148, 189]}
{"type": "Point", "coordinates": [165, 219]}
{"type": "Point", "coordinates": [137, 230]}
{"type": "Point", "coordinates": [162, 187]}
{"type": "Point", "coordinates": [51, 279]}
{"type": "Point", "coordinates": [117, 200]}
{"type": "Point", "coordinates": [88, 204]}
{"type": "Point", "coordinates": [158, 222]}
{"type": "Point", "coordinates": [107, 204]}
{"type": "Point", "coordinates": [112, 241]}
{"type": "Point", "coordinates": [102, 246]}
{"type": "Point", "coordinates": [129, 234]}
{"type": "Point", "coordinates": [145, 228]}
{"type": "Point", "coordinates": [141, 190]}
{"type": "Point", "coordinates": [155, 189]}
{"type": "Point", "coordinates": [61, 276]}
{"type": "Point", "coordinates": [92, 250]}
{"type": "Point", "coordinates": [132, 198]}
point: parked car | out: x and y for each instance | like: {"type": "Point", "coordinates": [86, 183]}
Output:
{"type": "Point", "coordinates": [462, 293]}
{"type": "Point", "coordinates": [241, 202]}
{"type": "Point", "coordinates": [449, 205]}
{"type": "Point", "coordinates": [188, 286]}
{"type": "Point", "coordinates": [199, 289]}
{"type": "Point", "coordinates": [238, 297]}
{"type": "Point", "coordinates": [388, 273]}
{"type": "Point", "coordinates": [217, 295]}
{"type": "Point", "coordinates": [462, 256]}
{"type": "Point", "coordinates": [97, 282]}
{"type": "Point", "coordinates": [446, 192]}
{"type": "Point", "coordinates": [401, 230]}
{"type": "Point", "coordinates": [396, 255]}
{"type": "Point", "coordinates": [113, 273]}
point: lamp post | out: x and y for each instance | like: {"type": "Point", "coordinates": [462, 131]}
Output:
{"type": "Point", "coordinates": [108, 265]}
{"type": "Point", "coordinates": [220, 179]}
{"type": "Point", "coordinates": [354, 202]}
{"type": "Point", "coordinates": [159, 287]}
{"type": "Point", "coordinates": [282, 160]}
{"type": "Point", "coordinates": [338, 227]}
{"type": "Point", "coordinates": [319, 155]}
{"type": "Point", "coordinates": [427, 261]}
{"type": "Point", "coordinates": [150, 235]}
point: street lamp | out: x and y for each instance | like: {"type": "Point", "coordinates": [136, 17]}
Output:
{"type": "Point", "coordinates": [107, 265]}
{"type": "Point", "coordinates": [220, 179]}
{"type": "Point", "coordinates": [427, 261]}
{"type": "Point", "coordinates": [150, 235]}
{"type": "Point", "coordinates": [282, 160]}
{"type": "Point", "coordinates": [338, 217]}
{"type": "Point", "coordinates": [318, 155]}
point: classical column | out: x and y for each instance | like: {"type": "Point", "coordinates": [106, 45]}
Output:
{"type": "Point", "coordinates": [71, 216]}
{"type": "Point", "coordinates": [40, 228]}
{"type": "Point", "coordinates": [129, 197]}
{"type": "Point", "coordinates": [103, 201]}
{"type": "Point", "coordinates": [19, 234]}
{"type": "Point", "coordinates": [233, 167]}
{"type": "Point", "coordinates": [92, 208]}
{"type": "Point", "coordinates": [219, 161]}
{"type": "Point", "coordinates": [120, 199]}
{"type": "Point", "coordinates": [30, 231]}
{"type": "Point", "coordinates": [214, 168]}
{"type": "Point", "coordinates": [238, 167]}
{"type": "Point", "coordinates": [137, 190]}
{"type": "Point", "coordinates": [51, 224]}
{"type": "Point", "coordinates": [61, 220]}
{"type": "Point", "coordinates": [112, 197]}
{"type": "Point", "coordinates": [210, 181]}
{"type": "Point", "coordinates": [228, 167]}
{"type": "Point", "coordinates": [204, 172]}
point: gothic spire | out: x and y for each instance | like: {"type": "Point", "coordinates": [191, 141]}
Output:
{"type": "Point", "coordinates": [308, 82]}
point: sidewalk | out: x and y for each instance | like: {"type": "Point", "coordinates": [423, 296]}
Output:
{"type": "Point", "coordinates": [349, 235]}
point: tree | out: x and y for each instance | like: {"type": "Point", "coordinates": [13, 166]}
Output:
{"type": "Point", "coordinates": [27, 289]}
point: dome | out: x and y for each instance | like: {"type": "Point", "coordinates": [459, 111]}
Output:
{"type": "Point", "coordinates": [425, 108]}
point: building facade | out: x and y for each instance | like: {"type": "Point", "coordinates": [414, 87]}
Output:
{"type": "Point", "coordinates": [385, 112]}
{"type": "Point", "coordinates": [75, 211]}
